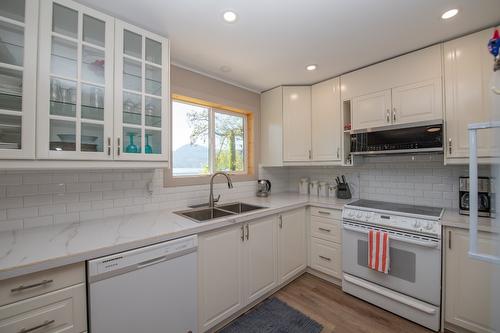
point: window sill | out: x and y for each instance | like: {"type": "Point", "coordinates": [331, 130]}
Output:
{"type": "Point", "coordinates": [171, 181]}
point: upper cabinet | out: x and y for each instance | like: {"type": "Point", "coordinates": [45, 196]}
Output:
{"type": "Point", "coordinates": [102, 87]}
{"type": "Point", "coordinates": [402, 90]}
{"type": "Point", "coordinates": [326, 120]}
{"type": "Point", "coordinates": [301, 124]}
{"type": "Point", "coordinates": [18, 48]}
{"type": "Point", "coordinates": [142, 96]}
{"type": "Point", "coordinates": [75, 83]}
{"type": "Point", "coordinates": [297, 123]}
{"type": "Point", "coordinates": [468, 69]}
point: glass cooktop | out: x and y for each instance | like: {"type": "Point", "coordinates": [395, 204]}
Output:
{"type": "Point", "coordinates": [397, 207]}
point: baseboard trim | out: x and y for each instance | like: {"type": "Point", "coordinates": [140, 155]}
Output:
{"type": "Point", "coordinates": [323, 276]}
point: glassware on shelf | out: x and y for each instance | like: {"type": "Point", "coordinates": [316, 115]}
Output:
{"type": "Point", "coordinates": [131, 148]}
{"type": "Point", "coordinates": [147, 148]}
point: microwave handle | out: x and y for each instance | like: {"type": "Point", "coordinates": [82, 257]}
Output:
{"type": "Point", "coordinates": [473, 188]}
{"type": "Point", "coordinates": [401, 239]}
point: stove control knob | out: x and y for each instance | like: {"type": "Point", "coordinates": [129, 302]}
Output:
{"type": "Point", "coordinates": [351, 213]}
{"type": "Point", "coordinates": [416, 224]}
{"type": "Point", "coordinates": [359, 215]}
{"type": "Point", "coordinates": [429, 225]}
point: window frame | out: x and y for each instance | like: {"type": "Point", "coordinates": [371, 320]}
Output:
{"type": "Point", "coordinates": [213, 108]}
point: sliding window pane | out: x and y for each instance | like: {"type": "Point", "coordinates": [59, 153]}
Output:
{"type": "Point", "coordinates": [229, 142]}
{"type": "Point", "coordinates": [190, 143]}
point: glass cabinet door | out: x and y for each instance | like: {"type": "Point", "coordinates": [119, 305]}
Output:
{"type": "Point", "coordinates": [18, 31]}
{"type": "Point", "coordinates": [76, 87]}
{"type": "Point", "coordinates": [141, 94]}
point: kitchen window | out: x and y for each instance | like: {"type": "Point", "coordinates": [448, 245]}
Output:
{"type": "Point", "coordinates": [208, 138]}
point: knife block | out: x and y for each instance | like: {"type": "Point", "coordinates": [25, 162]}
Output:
{"type": "Point", "coordinates": [343, 191]}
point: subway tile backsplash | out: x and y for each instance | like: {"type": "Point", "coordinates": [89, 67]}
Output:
{"type": "Point", "coordinates": [37, 198]}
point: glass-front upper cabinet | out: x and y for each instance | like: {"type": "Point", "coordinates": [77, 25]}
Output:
{"type": "Point", "coordinates": [75, 91]}
{"type": "Point", "coordinates": [142, 94]}
{"type": "Point", "coordinates": [18, 47]}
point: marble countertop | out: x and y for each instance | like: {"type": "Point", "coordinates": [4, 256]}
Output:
{"type": "Point", "coordinates": [36, 249]}
{"type": "Point", "coordinates": [452, 218]}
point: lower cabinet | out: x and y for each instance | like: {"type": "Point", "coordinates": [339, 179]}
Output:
{"type": "Point", "coordinates": [472, 286]}
{"type": "Point", "coordinates": [325, 253]}
{"type": "Point", "coordinates": [49, 301]}
{"type": "Point", "coordinates": [239, 264]}
{"type": "Point", "coordinates": [292, 243]}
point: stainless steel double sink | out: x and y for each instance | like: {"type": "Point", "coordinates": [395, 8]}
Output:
{"type": "Point", "coordinates": [206, 214]}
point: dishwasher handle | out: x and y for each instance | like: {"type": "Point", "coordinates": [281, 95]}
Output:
{"type": "Point", "coordinates": [151, 262]}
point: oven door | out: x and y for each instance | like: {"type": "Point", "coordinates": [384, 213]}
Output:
{"type": "Point", "coordinates": [415, 261]}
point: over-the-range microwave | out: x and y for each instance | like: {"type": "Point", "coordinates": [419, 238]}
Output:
{"type": "Point", "coordinates": [407, 138]}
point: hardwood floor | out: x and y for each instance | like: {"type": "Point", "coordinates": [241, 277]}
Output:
{"type": "Point", "coordinates": [339, 312]}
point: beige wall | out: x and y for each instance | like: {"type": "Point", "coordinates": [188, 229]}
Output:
{"type": "Point", "coordinates": [194, 85]}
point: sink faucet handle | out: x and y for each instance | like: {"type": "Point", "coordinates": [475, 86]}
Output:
{"type": "Point", "coordinates": [217, 199]}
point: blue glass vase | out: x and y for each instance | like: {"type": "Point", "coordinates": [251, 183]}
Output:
{"type": "Point", "coordinates": [147, 148]}
{"type": "Point", "coordinates": [131, 148]}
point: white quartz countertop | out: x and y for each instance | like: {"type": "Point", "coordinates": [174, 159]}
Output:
{"type": "Point", "coordinates": [36, 249]}
{"type": "Point", "coordinates": [452, 218]}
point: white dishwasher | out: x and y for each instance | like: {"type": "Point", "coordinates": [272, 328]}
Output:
{"type": "Point", "coordinates": [152, 289]}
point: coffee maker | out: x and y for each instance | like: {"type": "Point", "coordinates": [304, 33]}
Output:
{"type": "Point", "coordinates": [263, 187]}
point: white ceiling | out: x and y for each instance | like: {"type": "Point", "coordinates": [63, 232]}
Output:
{"type": "Point", "coordinates": [273, 40]}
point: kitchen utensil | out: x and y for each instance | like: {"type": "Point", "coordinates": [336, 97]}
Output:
{"type": "Point", "coordinates": [304, 186]}
{"type": "Point", "coordinates": [263, 187]}
{"type": "Point", "coordinates": [343, 191]}
{"type": "Point", "coordinates": [147, 148]}
{"type": "Point", "coordinates": [131, 148]}
{"type": "Point", "coordinates": [323, 189]}
{"type": "Point", "coordinates": [314, 188]}
{"type": "Point", "coordinates": [71, 138]}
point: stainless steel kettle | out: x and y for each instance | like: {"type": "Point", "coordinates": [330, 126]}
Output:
{"type": "Point", "coordinates": [263, 187]}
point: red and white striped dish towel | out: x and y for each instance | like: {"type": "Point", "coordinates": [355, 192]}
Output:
{"type": "Point", "coordinates": [378, 251]}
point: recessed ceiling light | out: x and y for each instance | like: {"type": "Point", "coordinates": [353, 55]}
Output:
{"type": "Point", "coordinates": [311, 67]}
{"type": "Point", "coordinates": [229, 16]}
{"type": "Point", "coordinates": [449, 14]}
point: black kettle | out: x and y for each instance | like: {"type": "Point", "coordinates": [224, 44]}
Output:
{"type": "Point", "coordinates": [263, 187]}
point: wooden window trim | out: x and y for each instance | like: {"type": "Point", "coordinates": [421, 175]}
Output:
{"type": "Point", "coordinates": [171, 181]}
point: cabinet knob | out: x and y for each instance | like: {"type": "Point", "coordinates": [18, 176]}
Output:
{"type": "Point", "coordinates": [449, 146]}
{"type": "Point", "coordinates": [388, 116]}
{"type": "Point", "coordinates": [394, 114]}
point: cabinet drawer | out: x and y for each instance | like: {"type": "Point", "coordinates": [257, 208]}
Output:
{"type": "Point", "coordinates": [59, 311]}
{"type": "Point", "coordinates": [327, 213]}
{"type": "Point", "coordinates": [30, 285]}
{"type": "Point", "coordinates": [326, 257]}
{"type": "Point", "coordinates": [326, 229]}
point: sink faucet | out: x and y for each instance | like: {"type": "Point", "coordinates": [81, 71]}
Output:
{"type": "Point", "coordinates": [211, 200]}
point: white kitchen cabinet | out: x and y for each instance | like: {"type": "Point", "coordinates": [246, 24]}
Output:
{"type": "Point", "coordinates": [237, 265]}
{"type": "Point", "coordinates": [220, 275]}
{"type": "Point", "coordinates": [296, 123]}
{"type": "Point", "coordinates": [469, 283]}
{"type": "Point", "coordinates": [468, 68]}
{"type": "Point", "coordinates": [271, 127]}
{"type": "Point", "coordinates": [326, 132]}
{"type": "Point", "coordinates": [18, 49]}
{"type": "Point", "coordinates": [372, 110]}
{"type": "Point", "coordinates": [421, 101]}
{"type": "Point", "coordinates": [75, 82]}
{"type": "Point", "coordinates": [292, 244]}
{"type": "Point", "coordinates": [260, 257]}
{"type": "Point", "coordinates": [142, 94]}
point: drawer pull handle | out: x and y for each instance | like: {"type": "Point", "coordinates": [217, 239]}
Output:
{"type": "Point", "coordinates": [325, 258]}
{"type": "Point", "coordinates": [323, 229]}
{"type": "Point", "coordinates": [323, 212]}
{"type": "Point", "coordinates": [45, 324]}
{"type": "Point", "coordinates": [39, 284]}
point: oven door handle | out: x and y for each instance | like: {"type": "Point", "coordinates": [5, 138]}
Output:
{"type": "Point", "coordinates": [390, 294]}
{"type": "Point", "coordinates": [430, 244]}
